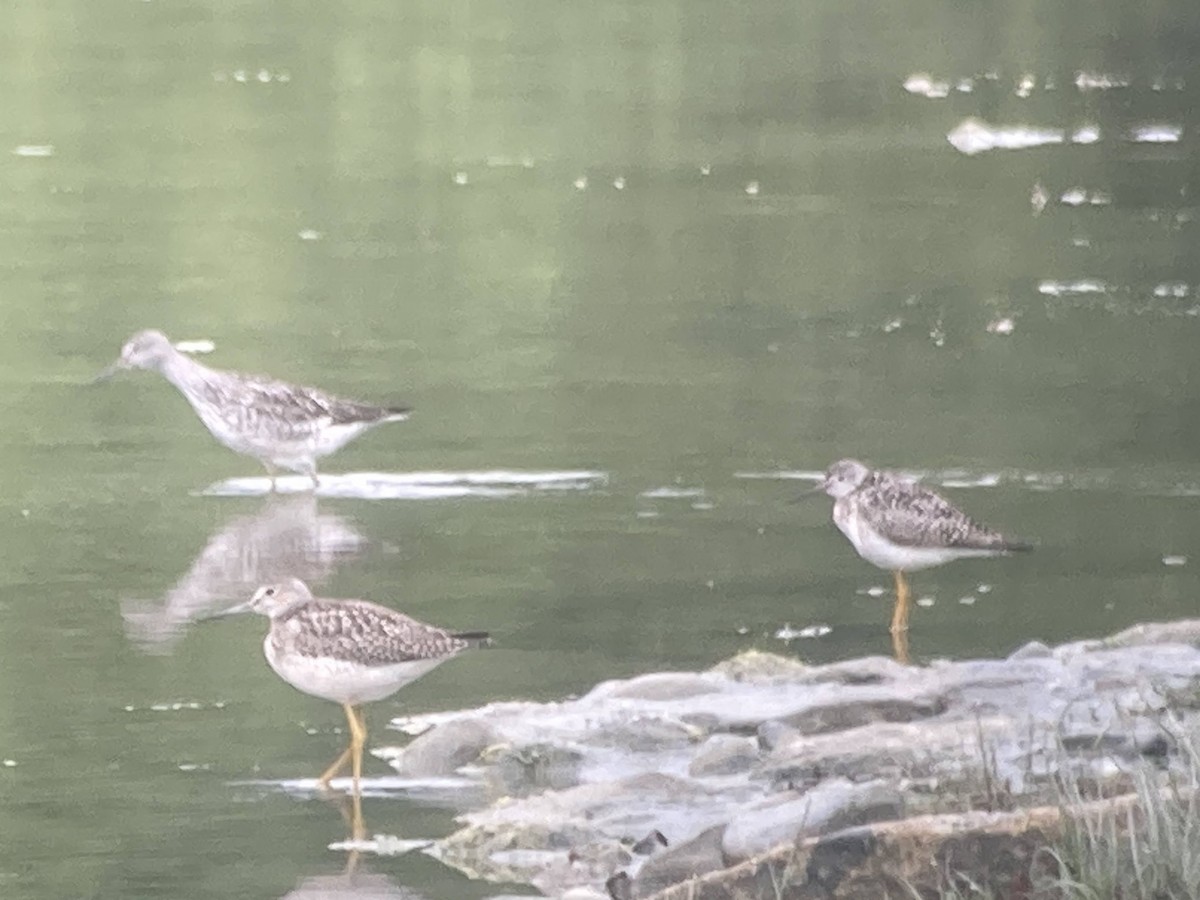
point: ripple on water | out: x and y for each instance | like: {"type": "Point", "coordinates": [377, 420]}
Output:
{"type": "Point", "coordinates": [937, 87]}
{"type": "Point", "coordinates": [1156, 134]}
{"type": "Point", "coordinates": [176, 706]}
{"type": "Point", "coordinates": [383, 845]}
{"type": "Point", "coordinates": [415, 485]}
{"type": "Point", "coordinates": [787, 633]}
{"type": "Point", "coordinates": [669, 493]}
{"type": "Point", "coordinates": [972, 136]}
{"type": "Point", "coordinates": [443, 790]}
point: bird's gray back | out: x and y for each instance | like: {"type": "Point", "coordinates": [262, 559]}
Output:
{"type": "Point", "coordinates": [912, 515]}
{"type": "Point", "coordinates": [361, 632]}
{"type": "Point", "coordinates": [253, 398]}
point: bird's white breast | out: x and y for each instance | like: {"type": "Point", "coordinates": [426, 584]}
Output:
{"type": "Point", "coordinates": [343, 681]}
{"type": "Point", "coordinates": [879, 551]}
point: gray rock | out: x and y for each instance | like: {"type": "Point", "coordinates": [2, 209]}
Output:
{"type": "Point", "coordinates": [891, 750]}
{"type": "Point", "coordinates": [756, 666]}
{"type": "Point", "coordinates": [1115, 736]}
{"type": "Point", "coordinates": [940, 736]}
{"type": "Point", "coordinates": [772, 733]}
{"type": "Point", "coordinates": [445, 749]}
{"type": "Point", "coordinates": [1185, 631]}
{"type": "Point", "coordinates": [863, 671]}
{"type": "Point", "coordinates": [584, 867]}
{"type": "Point", "coordinates": [601, 816]}
{"type": "Point", "coordinates": [652, 843]}
{"type": "Point", "coordinates": [1032, 650]}
{"type": "Point", "coordinates": [695, 857]}
{"type": "Point", "coordinates": [783, 818]}
{"type": "Point", "coordinates": [646, 734]}
{"type": "Point", "coordinates": [521, 771]}
{"type": "Point", "coordinates": [703, 723]}
{"type": "Point", "coordinates": [724, 754]}
{"type": "Point", "coordinates": [619, 887]}
{"type": "Point", "coordinates": [853, 713]}
{"type": "Point", "coordinates": [658, 686]}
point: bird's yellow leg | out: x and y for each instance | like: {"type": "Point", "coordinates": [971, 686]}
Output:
{"type": "Point", "coordinates": [900, 647]}
{"type": "Point", "coordinates": [358, 739]}
{"type": "Point", "coordinates": [331, 773]}
{"type": "Point", "coordinates": [340, 763]}
{"type": "Point", "coordinates": [900, 614]}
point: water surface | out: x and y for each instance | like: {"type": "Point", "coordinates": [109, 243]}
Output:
{"type": "Point", "coordinates": [694, 251]}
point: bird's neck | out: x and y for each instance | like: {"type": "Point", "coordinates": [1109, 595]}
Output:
{"type": "Point", "coordinates": [183, 371]}
{"type": "Point", "coordinates": [286, 612]}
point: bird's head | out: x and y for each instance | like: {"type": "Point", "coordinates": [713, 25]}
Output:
{"type": "Point", "coordinates": [843, 477]}
{"type": "Point", "coordinates": [145, 350]}
{"type": "Point", "coordinates": [272, 600]}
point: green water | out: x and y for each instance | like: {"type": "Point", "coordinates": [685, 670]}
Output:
{"type": "Point", "coordinates": [418, 203]}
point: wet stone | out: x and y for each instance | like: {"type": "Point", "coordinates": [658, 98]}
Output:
{"type": "Point", "coordinates": [773, 733]}
{"type": "Point", "coordinates": [835, 804]}
{"type": "Point", "coordinates": [521, 771]}
{"type": "Point", "coordinates": [775, 750]}
{"type": "Point", "coordinates": [724, 754]}
{"type": "Point", "coordinates": [643, 734]}
{"type": "Point", "coordinates": [695, 857]}
{"type": "Point", "coordinates": [650, 844]}
{"type": "Point", "coordinates": [754, 665]}
{"type": "Point", "coordinates": [852, 714]}
{"type": "Point", "coordinates": [886, 749]}
{"type": "Point", "coordinates": [866, 670]}
{"type": "Point", "coordinates": [619, 886]}
{"type": "Point", "coordinates": [659, 686]}
{"type": "Point", "coordinates": [1183, 632]}
{"type": "Point", "coordinates": [444, 749]}
{"type": "Point", "coordinates": [1032, 650]}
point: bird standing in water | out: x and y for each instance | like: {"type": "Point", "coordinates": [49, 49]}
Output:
{"type": "Point", "coordinates": [282, 425]}
{"type": "Point", "coordinates": [351, 652]}
{"type": "Point", "coordinates": [899, 525]}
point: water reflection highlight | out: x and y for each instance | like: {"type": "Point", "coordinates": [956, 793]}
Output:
{"type": "Point", "coordinates": [287, 536]}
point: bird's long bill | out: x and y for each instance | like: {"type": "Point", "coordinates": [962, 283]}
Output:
{"type": "Point", "coordinates": [810, 493]}
{"type": "Point", "coordinates": [235, 610]}
{"type": "Point", "coordinates": [108, 373]}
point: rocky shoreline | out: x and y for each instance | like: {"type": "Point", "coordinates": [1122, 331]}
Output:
{"type": "Point", "coordinates": [829, 780]}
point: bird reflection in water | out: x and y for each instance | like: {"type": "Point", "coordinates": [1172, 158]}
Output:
{"type": "Point", "coordinates": [286, 536]}
{"type": "Point", "coordinates": [352, 883]}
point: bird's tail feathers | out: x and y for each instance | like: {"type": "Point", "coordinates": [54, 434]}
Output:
{"type": "Point", "coordinates": [475, 638]}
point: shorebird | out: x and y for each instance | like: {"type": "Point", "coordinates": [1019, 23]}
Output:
{"type": "Point", "coordinates": [349, 651]}
{"type": "Point", "coordinates": [899, 525]}
{"type": "Point", "coordinates": [282, 425]}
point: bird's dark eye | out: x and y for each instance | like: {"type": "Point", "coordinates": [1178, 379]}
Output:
{"type": "Point", "coordinates": [269, 592]}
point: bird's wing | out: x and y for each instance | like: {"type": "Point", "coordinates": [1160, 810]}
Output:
{"type": "Point", "coordinates": [912, 515]}
{"type": "Point", "coordinates": [291, 404]}
{"type": "Point", "coordinates": [300, 403]}
{"type": "Point", "coordinates": [363, 632]}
